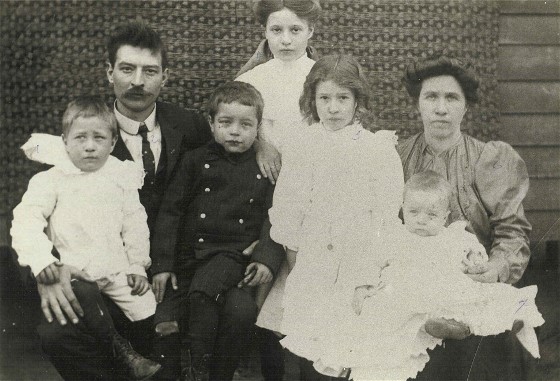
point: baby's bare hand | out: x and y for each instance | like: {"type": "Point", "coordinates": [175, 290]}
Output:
{"type": "Point", "coordinates": [139, 284]}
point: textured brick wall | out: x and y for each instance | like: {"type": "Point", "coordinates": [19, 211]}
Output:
{"type": "Point", "coordinates": [52, 51]}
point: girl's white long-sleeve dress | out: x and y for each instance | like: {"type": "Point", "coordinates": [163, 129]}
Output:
{"type": "Point", "coordinates": [280, 84]}
{"type": "Point", "coordinates": [337, 194]}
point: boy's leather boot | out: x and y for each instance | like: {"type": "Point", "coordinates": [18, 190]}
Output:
{"type": "Point", "coordinates": [136, 366]}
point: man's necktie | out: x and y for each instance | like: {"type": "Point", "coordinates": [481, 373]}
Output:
{"type": "Point", "coordinates": [147, 157]}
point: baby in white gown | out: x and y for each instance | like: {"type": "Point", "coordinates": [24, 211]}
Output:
{"type": "Point", "coordinates": [423, 278]}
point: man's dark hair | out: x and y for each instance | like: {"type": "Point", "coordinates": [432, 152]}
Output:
{"type": "Point", "coordinates": [139, 35]}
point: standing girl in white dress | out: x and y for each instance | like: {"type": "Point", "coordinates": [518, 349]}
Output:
{"type": "Point", "coordinates": [339, 191]}
{"type": "Point", "coordinates": [289, 24]}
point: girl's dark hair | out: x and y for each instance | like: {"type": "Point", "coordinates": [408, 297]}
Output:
{"type": "Point", "coordinates": [343, 70]}
{"type": "Point", "coordinates": [139, 35]}
{"type": "Point", "coordinates": [308, 10]}
{"type": "Point", "coordinates": [417, 72]}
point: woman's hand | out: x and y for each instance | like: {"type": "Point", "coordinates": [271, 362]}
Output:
{"type": "Point", "coordinates": [487, 272]}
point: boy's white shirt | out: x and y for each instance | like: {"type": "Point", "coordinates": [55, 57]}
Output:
{"type": "Point", "coordinates": [105, 236]}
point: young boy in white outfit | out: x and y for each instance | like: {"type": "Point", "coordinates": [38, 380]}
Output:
{"type": "Point", "coordinates": [87, 208]}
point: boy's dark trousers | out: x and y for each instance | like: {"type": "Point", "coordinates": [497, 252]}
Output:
{"type": "Point", "coordinates": [235, 317]}
{"type": "Point", "coordinates": [221, 316]}
{"type": "Point", "coordinates": [83, 351]}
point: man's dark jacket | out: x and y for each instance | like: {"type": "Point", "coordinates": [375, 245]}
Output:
{"type": "Point", "coordinates": [181, 131]}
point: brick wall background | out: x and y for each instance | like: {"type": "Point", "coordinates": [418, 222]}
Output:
{"type": "Point", "coordinates": [53, 51]}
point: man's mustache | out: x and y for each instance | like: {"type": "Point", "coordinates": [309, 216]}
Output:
{"type": "Point", "coordinates": [136, 91]}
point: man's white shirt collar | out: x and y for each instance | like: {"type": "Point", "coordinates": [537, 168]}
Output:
{"type": "Point", "coordinates": [131, 126]}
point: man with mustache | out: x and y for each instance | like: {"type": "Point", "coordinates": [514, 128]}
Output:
{"type": "Point", "coordinates": [152, 133]}
{"type": "Point", "coordinates": [155, 134]}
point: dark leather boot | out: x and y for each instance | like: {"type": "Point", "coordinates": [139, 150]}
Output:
{"type": "Point", "coordinates": [136, 366]}
{"type": "Point", "coordinates": [198, 371]}
{"type": "Point", "coordinates": [167, 352]}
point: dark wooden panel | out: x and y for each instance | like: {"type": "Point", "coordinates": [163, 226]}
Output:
{"type": "Point", "coordinates": [542, 162]}
{"type": "Point", "coordinates": [529, 97]}
{"type": "Point", "coordinates": [529, 62]}
{"type": "Point", "coordinates": [544, 194]}
{"type": "Point", "coordinates": [546, 226]}
{"type": "Point", "coordinates": [531, 29]}
{"type": "Point", "coordinates": [530, 130]}
{"type": "Point", "coordinates": [529, 7]}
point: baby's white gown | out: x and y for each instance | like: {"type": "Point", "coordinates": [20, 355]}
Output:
{"type": "Point", "coordinates": [423, 280]}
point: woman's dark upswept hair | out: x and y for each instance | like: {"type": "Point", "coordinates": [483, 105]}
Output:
{"type": "Point", "coordinates": [417, 72]}
{"type": "Point", "coordinates": [345, 71]}
{"type": "Point", "coordinates": [308, 10]}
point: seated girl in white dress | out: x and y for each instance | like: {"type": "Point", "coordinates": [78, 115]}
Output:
{"type": "Point", "coordinates": [424, 278]}
{"type": "Point", "coordinates": [340, 188]}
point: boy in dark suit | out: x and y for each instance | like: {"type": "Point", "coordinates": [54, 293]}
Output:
{"type": "Point", "coordinates": [220, 201]}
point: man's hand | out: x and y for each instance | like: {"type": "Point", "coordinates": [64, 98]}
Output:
{"type": "Point", "coordinates": [59, 299]}
{"type": "Point", "coordinates": [159, 282]}
{"type": "Point", "coordinates": [139, 284]}
{"type": "Point", "coordinates": [269, 161]}
{"type": "Point", "coordinates": [487, 272]}
{"type": "Point", "coordinates": [256, 274]}
{"type": "Point", "coordinates": [447, 329]}
{"type": "Point", "coordinates": [49, 274]}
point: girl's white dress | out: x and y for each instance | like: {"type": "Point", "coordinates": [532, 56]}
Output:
{"type": "Point", "coordinates": [423, 279]}
{"type": "Point", "coordinates": [337, 194]}
{"type": "Point", "coordinates": [281, 85]}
